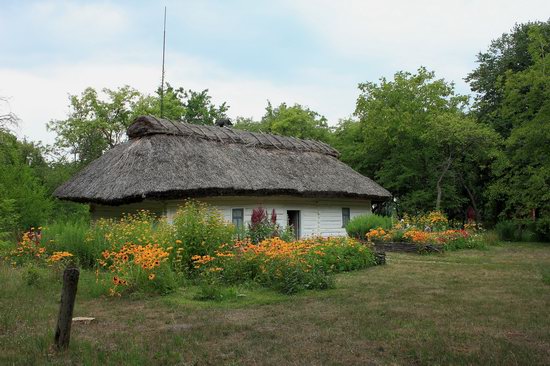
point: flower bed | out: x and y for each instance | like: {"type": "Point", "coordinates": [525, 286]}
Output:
{"type": "Point", "coordinates": [424, 234]}
{"type": "Point", "coordinates": [288, 267]}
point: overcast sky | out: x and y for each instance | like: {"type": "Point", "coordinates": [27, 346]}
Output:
{"type": "Point", "coordinates": [245, 52]}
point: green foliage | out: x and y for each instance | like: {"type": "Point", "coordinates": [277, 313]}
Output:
{"type": "Point", "coordinates": [98, 122]}
{"type": "Point", "coordinates": [23, 199]}
{"type": "Point", "coordinates": [297, 121]}
{"type": "Point", "coordinates": [32, 275]}
{"type": "Point", "coordinates": [8, 217]}
{"type": "Point", "coordinates": [413, 137]}
{"type": "Point", "coordinates": [507, 55]}
{"type": "Point", "coordinates": [286, 278]}
{"type": "Point", "coordinates": [139, 228]}
{"type": "Point", "coordinates": [513, 84]}
{"type": "Point", "coordinates": [506, 230]}
{"type": "Point", "coordinates": [263, 227]}
{"type": "Point", "coordinates": [180, 104]}
{"type": "Point", "coordinates": [286, 267]}
{"type": "Point", "coordinates": [74, 237]}
{"type": "Point", "coordinates": [524, 230]}
{"type": "Point", "coordinates": [200, 230]}
{"type": "Point", "coordinates": [360, 225]}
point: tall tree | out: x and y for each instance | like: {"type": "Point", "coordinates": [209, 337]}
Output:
{"type": "Point", "coordinates": [180, 104]}
{"type": "Point", "coordinates": [98, 122]}
{"type": "Point", "coordinates": [296, 120]}
{"type": "Point", "coordinates": [413, 137]}
{"type": "Point", "coordinates": [522, 185]}
{"type": "Point", "coordinates": [24, 201]}
{"type": "Point", "coordinates": [507, 55]}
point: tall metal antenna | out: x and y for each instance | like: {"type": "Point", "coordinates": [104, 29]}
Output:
{"type": "Point", "coordinates": [162, 78]}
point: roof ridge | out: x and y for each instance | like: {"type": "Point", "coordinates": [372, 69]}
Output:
{"type": "Point", "coordinates": [149, 125]}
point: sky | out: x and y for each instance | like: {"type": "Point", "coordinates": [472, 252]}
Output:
{"type": "Point", "coordinates": [314, 53]}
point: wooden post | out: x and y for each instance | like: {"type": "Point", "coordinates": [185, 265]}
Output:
{"type": "Point", "coordinates": [68, 295]}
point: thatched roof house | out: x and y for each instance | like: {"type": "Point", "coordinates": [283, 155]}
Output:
{"type": "Point", "coordinates": [164, 162]}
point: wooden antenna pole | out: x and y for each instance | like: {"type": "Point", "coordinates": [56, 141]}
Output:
{"type": "Point", "coordinates": [162, 77]}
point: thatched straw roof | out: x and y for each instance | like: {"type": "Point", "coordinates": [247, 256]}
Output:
{"type": "Point", "coordinates": [169, 160]}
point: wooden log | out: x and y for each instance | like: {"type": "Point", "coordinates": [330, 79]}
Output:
{"type": "Point", "coordinates": [68, 296]}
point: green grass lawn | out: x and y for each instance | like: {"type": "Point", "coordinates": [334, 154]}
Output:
{"type": "Point", "coordinates": [488, 307]}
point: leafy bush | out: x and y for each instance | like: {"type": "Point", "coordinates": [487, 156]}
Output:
{"type": "Point", "coordinates": [142, 228]}
{"type": "Point", "coordinates": [142, 268]}
{"type": "Point", "coordinates": [28, 250]}
{"type": "Point", "coordinates": [542, 228]}
{"type": "Point", "coordinates": [8, 217]}
{"type": "Point", "coordinates": [359, 226]}
{"type": "Point", "coordinates": [524, 230]}
{"type": "Point", "coordinates": [432, 221]}
{"type": "Point", "coordinates": [73, 237]}
{"type": "Point", "coordinates": [31, 275]}
{"type": "Point", "coordinates": [283, 266]}
{"type": "Point", "coordinates": [262, 227]}
{"type": "Point", "coordinates": [199, 230]}
{"type": "Point", "coordinates": [506, 230]}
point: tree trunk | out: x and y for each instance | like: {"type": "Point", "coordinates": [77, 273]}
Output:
{"type": "Point", "coordinates": [472, 198]}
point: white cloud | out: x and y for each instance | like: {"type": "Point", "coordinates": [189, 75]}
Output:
{"type": "Point", "coordinates": [401, 34]}
{"type": "Point", "coordinates": [78, 21]}
{"type": "Point", "coordinates": [40, 95]}
{"type": "Point", "coordinates": [387, 35]}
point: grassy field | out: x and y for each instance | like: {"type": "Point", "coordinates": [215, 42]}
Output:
{"type": "Point", "coordinates": [470, 307]}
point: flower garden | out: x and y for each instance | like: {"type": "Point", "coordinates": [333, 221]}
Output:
{"type": "Point", "coordinates": [141, 253]}
{"type": "Point", "coordinates": [429, 231]}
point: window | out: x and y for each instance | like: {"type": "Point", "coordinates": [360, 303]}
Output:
{"type": "Point", "coordinates": [345, 216]}
{"type": "Point", "coordinates": [237, 217]}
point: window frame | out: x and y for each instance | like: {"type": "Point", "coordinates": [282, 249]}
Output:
{"type": "Point", "coordinates": [233, 218]}
{"type": "Point", "coordinates": [346, 217]}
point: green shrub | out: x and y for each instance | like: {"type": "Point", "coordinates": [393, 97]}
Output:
{"type": "Point", "coordinates": [359, 226]}
{"type": "Point", "coordinates": [263, 227]}
{"type": "Point", "coordinates": [287, 267]}
{"type": "Point", "coordinates": [74, 237]}
{"type": "Point", "coordinates": [290, 278]}
{"type": "Point", "coordinates": [524, 230]}
{"type": "Point", "coordinates": [31, 275]}
{"type": "Point", "coordinates": [199, 230]}
{"type": "Point", "coordinates": [507, 230]}
{"type": "Point", "coordinates": [490, 237]}
{"type": "Point", "coordinates": [140, 228]}
{"type": "Point", "coordinates": [542, 229]}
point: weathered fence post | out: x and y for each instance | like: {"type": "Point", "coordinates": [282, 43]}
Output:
{"type": "Point", "coordinates": [68, 295]}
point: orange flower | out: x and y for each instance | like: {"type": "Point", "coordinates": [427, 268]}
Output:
{"type": "Point", "coordinates": [152, 276]}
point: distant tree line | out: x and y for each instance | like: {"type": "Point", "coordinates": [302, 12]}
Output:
{"type": "Point", "coordinates": [431, 147]}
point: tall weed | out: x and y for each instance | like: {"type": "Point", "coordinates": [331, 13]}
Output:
{"type": "Point", "coordinates": [199, 230]}
{"type": "Point", "coordinates": [359, 226]}
{"type": "Point", "coordinates": [73, 237]}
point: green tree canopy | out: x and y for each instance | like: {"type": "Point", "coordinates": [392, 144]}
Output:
{"type": "Point", "coordinates": [296, 120]}
{"type": "Point", "coordinates": [97, 122]}
{"type": "Point", "coordinates": [413, 137]}
{"type": "Point", "coordinates": [24, 201]}
{"type": "Point", "coordinates": [509, 54]}
{"type": "Point", "coordinates": [522, 184]}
